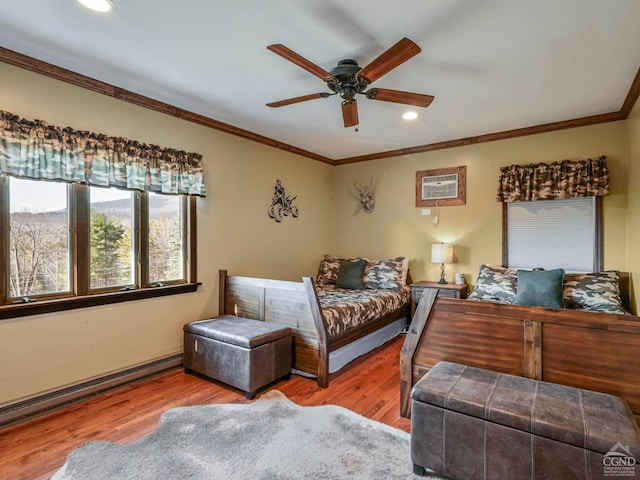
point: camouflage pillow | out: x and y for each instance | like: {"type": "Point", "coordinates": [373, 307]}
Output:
{"type": "Point", "coordinates": [495, 284]}
{"type": "Point", "coordinates": [328, 271]}
{"type": "Point", "coordinates": [598, 292]}
{"type": "Point", "coordinates": [385, 274]}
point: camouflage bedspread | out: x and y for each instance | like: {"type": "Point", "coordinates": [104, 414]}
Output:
{"type": "Point", "coordinates": [344, 309]}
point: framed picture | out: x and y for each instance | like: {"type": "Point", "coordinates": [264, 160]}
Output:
{"type": "Point", "coordinates": [446, 186]}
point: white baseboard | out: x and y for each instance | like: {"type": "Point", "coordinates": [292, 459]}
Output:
{"type": "Point", "coordinates": [26, 409]}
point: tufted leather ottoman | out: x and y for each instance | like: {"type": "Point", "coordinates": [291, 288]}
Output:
{"type": "Point", "coordinates": [469, 423]}
{"type": "Point", "coordinates": [244, 353]}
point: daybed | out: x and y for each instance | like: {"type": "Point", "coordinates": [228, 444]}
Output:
{"type": "Point", "coordinates": [331, 325]}
{"type": "Point", "coordinates": [592, 350]}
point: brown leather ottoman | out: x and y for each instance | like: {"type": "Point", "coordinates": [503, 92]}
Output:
{"type": "Point", "coordinates": [244, 353]}
{"type": "Point", "coordinates": [469, 423]}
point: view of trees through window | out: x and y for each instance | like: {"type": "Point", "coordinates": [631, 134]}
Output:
{"type": "Point", "coordinates": [165, 238]}
{"type": "Point", "coordinates": [38, 238]}
{"type": "Point", "coordinates": [40, 245]}
{"type": "Point", "coordinates": [111, 254]}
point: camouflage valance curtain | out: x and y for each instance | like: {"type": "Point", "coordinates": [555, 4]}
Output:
{"type": "Point", "coordinates": [37, 150]}
{"type": "Point", "coordinates": [565, 179]}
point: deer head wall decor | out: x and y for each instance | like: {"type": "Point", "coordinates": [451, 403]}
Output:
{"type": "Point", "coordinates": [366, 196]}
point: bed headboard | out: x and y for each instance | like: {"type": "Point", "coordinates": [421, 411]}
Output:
{"type": "Point", "coordinates": [625, 291]}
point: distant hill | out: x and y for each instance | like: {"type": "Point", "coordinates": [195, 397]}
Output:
{"type": "Point", "coordinates": [162, 204]}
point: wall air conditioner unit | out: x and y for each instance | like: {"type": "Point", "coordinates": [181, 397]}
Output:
{"type": "Point", "coordinates": [439, 187]}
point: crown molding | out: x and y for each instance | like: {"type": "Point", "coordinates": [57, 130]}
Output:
{"type": "Point", "coordinates": [58, 73]}
{"type": "Point", "coordinates": [490, 137]}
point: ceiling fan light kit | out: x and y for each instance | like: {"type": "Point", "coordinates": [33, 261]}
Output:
{"type": "Point", "coordinates": [347, 79]}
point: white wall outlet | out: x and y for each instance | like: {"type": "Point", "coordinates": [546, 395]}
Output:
{"type": "Point", "coordinates": [426, 211]}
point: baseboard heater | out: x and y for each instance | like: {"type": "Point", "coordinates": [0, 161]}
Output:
{"type": "Point", "coordinates": [38, 405]}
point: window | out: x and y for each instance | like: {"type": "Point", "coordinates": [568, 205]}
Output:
{"type": "Point", "coordinates": [166, 239]}
{"type": "Point", "coordinates": [73, 245]}
{"type": "Point", "coordinates": [111, 258]}
{"type": "Point", "coordinates": [38, 239]}
{"type": "Point", "coordinates": [562, 233]}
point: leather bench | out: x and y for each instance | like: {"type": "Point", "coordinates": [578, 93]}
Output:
{"type": "Point", "coordinates": [244, 353]}
{"type": "Point", "coordinates": [469, 423]}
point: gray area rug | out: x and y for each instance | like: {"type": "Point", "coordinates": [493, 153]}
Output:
{"type": "Point", "coordinates": [272, 438]}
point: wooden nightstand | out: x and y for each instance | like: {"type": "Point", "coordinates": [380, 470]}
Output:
{"type": "Point", "coordinates": [449, 290]}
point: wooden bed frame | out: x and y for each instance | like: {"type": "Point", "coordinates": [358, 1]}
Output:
{"type": "Point", "coordinates": [594, 351]}
{"type": "Point", "coordinates": [295, 304]}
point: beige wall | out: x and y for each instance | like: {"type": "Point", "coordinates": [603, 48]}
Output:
{"type": "Point", "coordinates": [633, 213]}
{"type": "Point", "coordinates": [396, 227]}
{"type": "Point", "coordinates": [234, 232]}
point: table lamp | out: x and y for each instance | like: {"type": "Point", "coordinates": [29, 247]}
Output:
{"type": "Point", "coordinates": [442, 253]}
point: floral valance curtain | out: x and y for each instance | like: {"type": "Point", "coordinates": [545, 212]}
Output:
{"type": "Point", "coordinates": [565, 179]}
{"type": "Point", "coordinates": [37, 150]}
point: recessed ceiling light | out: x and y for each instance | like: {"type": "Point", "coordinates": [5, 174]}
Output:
{"type": "Point", "coordinates": [99, 5]}
{"type": "Point", "coordinates": [410, 115]}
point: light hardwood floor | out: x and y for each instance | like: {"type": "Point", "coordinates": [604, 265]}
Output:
{"type": "Point", "coordinates": [35, 449]}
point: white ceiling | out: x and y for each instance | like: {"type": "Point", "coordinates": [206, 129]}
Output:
{"type": "Point", "coordinates": [492, 65]}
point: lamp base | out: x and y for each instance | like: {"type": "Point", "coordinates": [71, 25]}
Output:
{"type": "Point", "coordinates": [442, 280]}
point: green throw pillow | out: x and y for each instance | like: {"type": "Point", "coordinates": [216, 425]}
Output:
{"type": "Point", "coordinates": [350, 274]}
{"type": "Point", "coordinates": [540, 288]}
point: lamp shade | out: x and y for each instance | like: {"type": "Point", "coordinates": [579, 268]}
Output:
{"type": "Point", "coordinates": [442, 253]}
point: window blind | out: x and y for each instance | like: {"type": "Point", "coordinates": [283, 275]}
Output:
{"type": "Point", "coordinates": [552, 234]}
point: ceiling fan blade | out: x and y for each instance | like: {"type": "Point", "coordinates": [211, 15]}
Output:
{"type": "Point", "coordinates": [350, 113]}
{"type": "Point", "coordinates": [397, 96]}
{"type": "Point", "coordinates": [390, 59]}
{"type": "Point", "coordinates": [302, 62]}
{"type": "Point", "coordinates": [303, 98]}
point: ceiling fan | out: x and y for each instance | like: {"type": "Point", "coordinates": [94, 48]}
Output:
{"type": "Point", "coordinates": [348, 79]}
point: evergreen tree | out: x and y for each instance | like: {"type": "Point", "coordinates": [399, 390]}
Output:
{"type": "Point", "coordinates": [107, 236]}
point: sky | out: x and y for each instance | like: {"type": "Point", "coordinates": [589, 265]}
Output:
{"type": "Point", "coordinates": [43, 196]}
